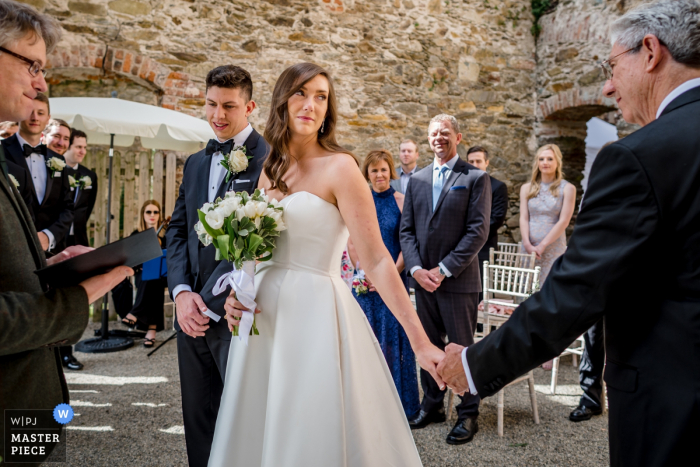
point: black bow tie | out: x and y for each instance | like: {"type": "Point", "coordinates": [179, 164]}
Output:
{"type": "Point", "coordinates": [213, 146]}
{"type": "Point", "coordinates": [28, 150]}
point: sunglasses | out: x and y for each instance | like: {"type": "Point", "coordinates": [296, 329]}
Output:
{"type": "Point", "coordinates": [152, 212]}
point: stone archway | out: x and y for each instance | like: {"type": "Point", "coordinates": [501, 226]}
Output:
{"type": "Point", "coordinates": [174, 90]}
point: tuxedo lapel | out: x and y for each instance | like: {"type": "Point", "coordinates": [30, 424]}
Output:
{"type": "Point", "coordinates": [49, 177]}
{"type": "Point", "coordinates": [456, 171]}
{"type": "Point", "coordinates": [250, 145]}
{"type": "Point", "coordinates": [14, 152]}
{"type": "Point", "coordinates": [203, 180]}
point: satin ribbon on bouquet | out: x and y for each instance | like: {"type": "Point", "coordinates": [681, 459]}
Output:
{"type": "Point", "coordinates": [242, 281]}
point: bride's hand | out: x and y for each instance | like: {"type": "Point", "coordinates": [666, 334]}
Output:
{"type": "Point", "coordinates": [234, 310]}
{"type": "Point", "coordinates": [428, 358]}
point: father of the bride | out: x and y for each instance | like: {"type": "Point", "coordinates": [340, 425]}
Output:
{"type": "Point", "coordinates": [203, 338]}
{"type": "Point", "coordinates": [634, 257]}
{"type": "Point", "coordinates": [33, 318]}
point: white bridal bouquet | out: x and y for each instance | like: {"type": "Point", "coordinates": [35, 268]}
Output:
{"type": "Point", "coordinates": [244, 229]}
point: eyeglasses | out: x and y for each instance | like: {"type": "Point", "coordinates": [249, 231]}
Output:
{"type": "Point", "coordinates": [607, 68]}
{"type": "Point", "coordinates": [152, 212]}
{"type": "Point", "coordinates": [34, 66]}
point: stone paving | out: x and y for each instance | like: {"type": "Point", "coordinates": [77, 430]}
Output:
{"type": "Point", "coordinates": [129, 414]}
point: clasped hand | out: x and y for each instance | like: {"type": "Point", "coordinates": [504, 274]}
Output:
{"type": "Point", "coordinates": [430, 280]}
{"type": "Point", "coordinates": [234, 310]}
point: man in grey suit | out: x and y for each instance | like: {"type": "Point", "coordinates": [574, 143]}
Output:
{"type": "Point", "coordinates": [34, 319]}
{"type": "Point", "coordinates": [408, 155]}
{"type": "Point", "coordinates": [445, 222]}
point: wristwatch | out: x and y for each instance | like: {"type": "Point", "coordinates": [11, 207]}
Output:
{"type": "Point", "coordinates": [442, 273]}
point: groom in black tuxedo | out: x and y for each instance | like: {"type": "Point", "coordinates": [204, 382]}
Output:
{"type": "Point", "coordinates": [203, 338]}
{"type": "Point", "coordinates": [444, 224]}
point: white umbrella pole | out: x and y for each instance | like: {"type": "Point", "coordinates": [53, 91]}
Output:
{"type": "Point", "coordinates": [109, 189]}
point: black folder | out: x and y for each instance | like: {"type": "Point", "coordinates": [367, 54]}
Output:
{"type": "Point", "coordinates": [130, 251]}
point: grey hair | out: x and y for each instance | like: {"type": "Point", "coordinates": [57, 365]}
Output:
{"type": "Point", "coordinates": [446, 118]}
{"type": "Point", "coordinates": [676, 23]}
{"type": "Point", "coordinates": [17, 20]}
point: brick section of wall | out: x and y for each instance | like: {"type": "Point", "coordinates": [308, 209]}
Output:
{"type": "Point", "coordinates": [180, 91]}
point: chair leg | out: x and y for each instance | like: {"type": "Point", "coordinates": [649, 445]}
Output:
{"type": "Point", "coordinates": [533, 398]}
{"type": "Point", "coordinates": [500, 412]}
{"type": "Point", "coordinates": [604, 398]}
{"type": "Point", "coordinates": [555, 370]}
{"type": "Point", "coordinates": [450, 401]}
{"type": "Point", "coordinates": [574, 359]}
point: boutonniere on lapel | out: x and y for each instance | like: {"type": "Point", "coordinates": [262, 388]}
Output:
{"type": "Point", "coordinates": [55, 166]}
{"type": "Point", "coordinates": [14, 181]}
{"type": "Point", "coordinates": [236, 161]}
{"type": "Point", "coordinates": [82, 183]}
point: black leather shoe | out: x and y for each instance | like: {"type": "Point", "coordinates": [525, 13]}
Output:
{"type": "Point", "coordinates": [70, 362]}
{"type": "Point", "coordinates": [463, 431]}
{"type": "Point", "coordinates": [426, 418]}
{"type": "Point", "coordinates": [583, 413]}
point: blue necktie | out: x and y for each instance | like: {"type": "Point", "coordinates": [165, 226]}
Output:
{"type": "Point", "coordinates": [437, 185]}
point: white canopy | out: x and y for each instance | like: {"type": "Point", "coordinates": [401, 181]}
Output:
{"type": "Point", "coordinates": [158, 128]}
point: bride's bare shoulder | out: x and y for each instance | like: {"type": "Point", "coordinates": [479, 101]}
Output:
{"type": "Point", "coordinates": [342, 161]}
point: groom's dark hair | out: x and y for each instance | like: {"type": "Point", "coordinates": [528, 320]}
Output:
{"type": "Point", "coordinates": [231, 77]}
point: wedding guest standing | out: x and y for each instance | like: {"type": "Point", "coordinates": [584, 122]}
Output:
{"type": "Point", "coordinates": [150, 294]}
{"type": "Point", "coordinates": [56, 136]}
{"type": "Point", "coordinates": [634, 257]}
{"type": "Point", "coordinates": [547, 203]}
{"type": "Point", "coordinates": [478, 156]}
{"type": "Point", "coordinates": [52, 201]}
{"type": "Point", "coordinates": [408, 155]}
{"type": "Point", "coordinates": [33, 318]}
{"type": "Point", "coordinates": [203, 338]}
{"type": "Point", "coordinates": [84, 184]}
{"type": "Point", "coordinates": [378, 169]}
{"type": "Point", "coordinates": [445, 224]}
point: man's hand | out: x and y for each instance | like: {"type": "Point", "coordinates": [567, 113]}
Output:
{"type": "Point", "coordinates": [190, 306]}
{"type": "Point", "coordinates": [68, 253]}
{"type": "Point", "coordinates": [451, 369]}
{"type": "Point", "coordinates": [436, 272]}
{"type": "Point", "coordinates": [427, 280]}
{"type": "Point", "coordinates": [97, 286]}
{"type": "Point", "coordinates": [44, 240]}
{"type": "Point", "coordinates": [234, 310]}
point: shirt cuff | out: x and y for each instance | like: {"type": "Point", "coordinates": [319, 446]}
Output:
{"type": "Point", "coordinates": [465, 364]}
{"type": "Point", "coordinates": [447, 271]}
{"type": "Point", "coordinates": [414, 269]}
{"type": "Point", "coordinates": [52, 243]}
{"type": "Point", "coordinates": [181, 288]}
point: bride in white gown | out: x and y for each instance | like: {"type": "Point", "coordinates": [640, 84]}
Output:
{"type": "Point", "coordinates": [313, 389]}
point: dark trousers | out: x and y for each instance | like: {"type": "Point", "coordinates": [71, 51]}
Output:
{"type": "Point", "coordinates": [590, 371]}
{"type": "Point", "coordinates": [66, 351]}
{"type": "Point", "coordinates": [452, 315]}
{"type": "Point", "coordinates": [202, 363]}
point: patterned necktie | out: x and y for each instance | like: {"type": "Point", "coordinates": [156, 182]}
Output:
{"type": "Point", "coordinates": [437, 185]}
{"type": "Point", "coordinates": [28, 150]}
{"type": "Point", "coordinates": [213, 146]}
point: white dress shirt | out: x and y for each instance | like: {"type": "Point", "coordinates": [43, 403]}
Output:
{"type": "Point", "coordinates": [39, 173]}
{"type": "Point", "coordinates": [217, 172]}
{"type": "Point", "coordinates": [687, 86]}
{"type": "Point", "coordinates": [436, 173]}
{"type": "Point", "coordinates": [405, 177]}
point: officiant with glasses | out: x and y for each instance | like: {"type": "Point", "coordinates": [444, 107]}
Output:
{"type": "Point", "coordinates": [203, 337]}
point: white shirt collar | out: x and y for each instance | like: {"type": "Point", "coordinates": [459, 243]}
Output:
{"type": "Point", "coordinates": [450, 164]}
{"type": "Point", "coordinates": [241, 137]}
{"type": "Point", "coordinates": [687, 86]}
{"type": "Point", "coordinates": [75, 167]}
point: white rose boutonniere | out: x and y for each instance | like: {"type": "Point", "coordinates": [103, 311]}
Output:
{"type": "Point", "coordinates": [236, 161]}
{"type": "Point", "coordinates": [82, 183]}
{"type": "Point", "coordinates": [55, 165]}
{"type": "Point", "coordinates": [14, 181]}
{"type": "Point", "coordinates": [72, 182]}
{"type": "Point", "coordinates": [86, 181]}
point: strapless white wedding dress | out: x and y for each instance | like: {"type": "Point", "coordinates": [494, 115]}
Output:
{"type": "Point", "coordinates": [313, 389]}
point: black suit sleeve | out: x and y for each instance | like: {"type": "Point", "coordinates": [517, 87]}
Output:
{"type": "Point", "coordinates": [61, 227]}
{"type": "Point", "coordinates": [407, 232]}
{"type": "Point", "coordinates": [499, 206]}
{"type": "Point", "coordinates": [179, 271]}
{"type": "Point", "coordinates": [613, 237]}
{"type": "Point", "coordinates": [476, 232]}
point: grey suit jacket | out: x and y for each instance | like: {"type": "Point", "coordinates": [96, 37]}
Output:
{"type": "Point", "coordinates": [455, 232]}
{"type": "Point", "coordinates": [33, 319]}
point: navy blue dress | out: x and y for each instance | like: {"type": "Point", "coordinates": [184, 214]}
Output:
{"type": "Point", "coordinates": [391, 336]}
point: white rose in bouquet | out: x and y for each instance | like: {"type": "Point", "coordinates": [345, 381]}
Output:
{"type": "Point", "coordinates": [215, 219]}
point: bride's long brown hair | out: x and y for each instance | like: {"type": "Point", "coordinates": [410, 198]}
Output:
{"type": "Point", "coordinates": [277, 128]}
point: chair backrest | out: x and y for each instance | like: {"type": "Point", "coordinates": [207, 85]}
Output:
{"type": "Point", "coordinates": [511, 281]}
{"type": "Point", "coordinates": [510, 247]}
{"type": "Point", "coordinates": [514, 260]}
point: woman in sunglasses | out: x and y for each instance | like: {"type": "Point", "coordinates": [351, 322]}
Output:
{"type": "Point", "coordinates": [147, 312]}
